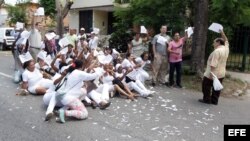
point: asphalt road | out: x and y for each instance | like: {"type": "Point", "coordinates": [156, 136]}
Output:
{"type": "Point", "coordinates": [171, 115]}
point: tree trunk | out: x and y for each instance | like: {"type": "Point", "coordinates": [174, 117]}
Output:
{"type": "Point", "coordinates": [1, 2]}
{"type": "Point", "coordinates": [200, 36]}
{"type": "Point", "coordinates": [61, 14]}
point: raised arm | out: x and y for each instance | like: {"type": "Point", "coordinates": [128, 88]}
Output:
{"type": "Point", "coordinates": [223, 35]}
{"type": "Point", "coordinates": [52, 64]}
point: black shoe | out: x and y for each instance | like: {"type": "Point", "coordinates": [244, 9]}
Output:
{"type": "Point", "coordinates": [104, 105]}
{"type": "Point", "coordinates": [86, 104]}
{"type": "Point", "coordinates": [167, 84]}
{"type": "Point", "coordinates": [214, 103]}
{"type": "Point", "coordinates": [179, 86]}
{"type": "Point", "coordinates": [48, 116]}
{"type": "Point", "coordinates": [202, 101]}
{"type": "Point", "coordinates": [93, 104]}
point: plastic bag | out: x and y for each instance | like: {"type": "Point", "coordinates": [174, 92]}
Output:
{"type": "Point", "coordinates": [216, 83]}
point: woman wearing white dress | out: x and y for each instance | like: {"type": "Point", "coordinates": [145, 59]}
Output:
{"type": "Point", "coordinates": [72, 91]}
{"type": "Point", "coordinates": [131, 85]}
{"type": "Point", "coordinates": [109, 81]}
{"type": "Point", "coordinates": [128, 63]}
{"type": "Point", "coordinates": [142, 61]}
{"type": "Point", "coordinates": [33, 80]}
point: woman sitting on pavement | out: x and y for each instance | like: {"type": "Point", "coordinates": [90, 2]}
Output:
{"type": "Point", "coordinates": [114, 84]}
{"type": "Point", "coordinates": [120, 74]}
{"type": "Point", "coordinates": [142, 61]}
{"type": "Point", "coordinates": [33, 80]}
{"type": "Point", "coordinates": [72, 91]}
{"type": "Point", "coordinates": [128, 63]}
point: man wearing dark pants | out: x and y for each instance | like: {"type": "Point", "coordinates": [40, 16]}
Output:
{"type": "Point", "coordinates": [216, 64]}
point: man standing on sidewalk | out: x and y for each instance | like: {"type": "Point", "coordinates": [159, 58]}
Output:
{"type": "Point", "coordinates": [35, 39]}
{"type": "Point", "coordinates": [216, 64]}
{"type": "Point", "coordinates": [160, 63]}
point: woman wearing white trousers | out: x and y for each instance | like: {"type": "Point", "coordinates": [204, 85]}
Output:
{"type": "Point", "coordinates": [72, 91]}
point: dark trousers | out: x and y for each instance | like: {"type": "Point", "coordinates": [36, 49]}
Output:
{"type": "Point", "coordinates": [175, 66]}
{"type": "Point", "coordinates": [207, 85]}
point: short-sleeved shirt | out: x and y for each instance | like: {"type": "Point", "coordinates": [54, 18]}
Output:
{"type": "Point", "coordinates": [32, 77]}
{"type": "Point", "coordinates": [161, 48]}
{"type": "Point", "coordinates": [35, 38]}
{"type": "Point", "coordinates": [72, 39]}
{"type": "Point", "coordinates": [177, 48]}
{"type": "Point", "coordinates": [218, 60]}
{"type": "Point", "coordinates": [137, 48]}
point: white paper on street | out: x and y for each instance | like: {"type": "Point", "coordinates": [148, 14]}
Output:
{"type": "Point", "coordinates": [215, 27]}
{"type": "Point", "coordinates": [189, 31]}
{"type": "Point", "coordinates": [19, 25]}
{"type": "Point", "coordinates": [161, 40]}
{"type": "Point", "coordinates": [143, 30]}
{"type": "Point", "coordinates": [64, 42]}
{"type": "Point", "coordinates": [40, 11]}
{"type": "Point", "coordinates": [25, 57]}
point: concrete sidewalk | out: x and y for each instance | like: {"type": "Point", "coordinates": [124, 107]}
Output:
{"type": "Point", "coordinates": [241, 76]}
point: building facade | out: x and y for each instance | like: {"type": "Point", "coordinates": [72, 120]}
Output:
{"type": "Point", "coordinates": [92, 13]}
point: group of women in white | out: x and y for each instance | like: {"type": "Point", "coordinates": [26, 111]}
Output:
{"type": "Point", "coordinates": [80, 73]}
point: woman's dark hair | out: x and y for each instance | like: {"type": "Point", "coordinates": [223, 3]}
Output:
{"type": "Point", "coordinates": [75, 65]}
{"type": "Point", "coordinates": [143, 54]}
{"type": "Point", "coordinates": [26, 64]}
{"type": "Point", "coordinates": [107, 48]}
{"type": "Point", "coordinates": [220, 41]}
{"type": "Point", "coordinates": [62, 64]}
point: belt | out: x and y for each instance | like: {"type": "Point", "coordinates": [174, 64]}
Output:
{"type": "Point", "coordinates": [35, 47]}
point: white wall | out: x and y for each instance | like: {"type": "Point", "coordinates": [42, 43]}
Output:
{"type": "Point", "coordinates": [74, 19]}
{"type": "Point", "coordinates": [100, 20]}
{"type": "Point", "coordinates": [91, 3]}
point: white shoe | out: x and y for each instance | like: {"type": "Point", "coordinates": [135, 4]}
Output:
{"type": "Point", "coordinates": [150, 92]}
